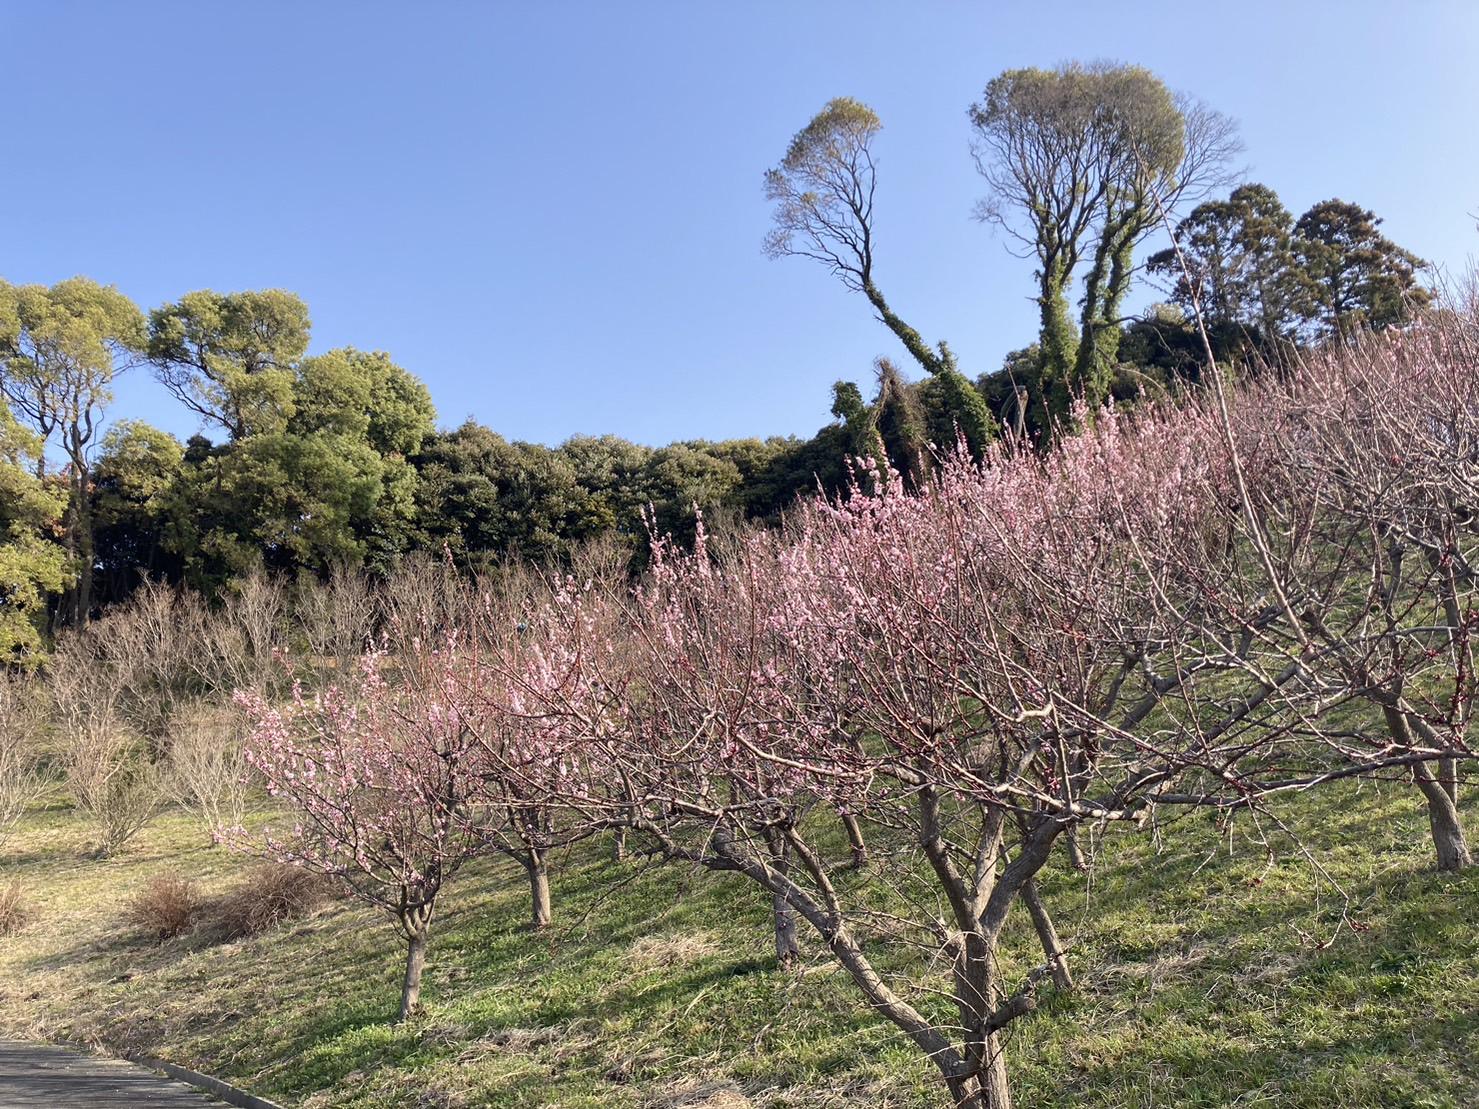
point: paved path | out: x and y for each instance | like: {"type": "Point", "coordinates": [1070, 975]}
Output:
{"type": "Point", "coordinates": [35, 1075]}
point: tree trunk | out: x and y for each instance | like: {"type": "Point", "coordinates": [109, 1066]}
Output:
{"type": "Point", "coordinates": [783, 914]}
{"type": "Point", "coordinates": [1047, 935]}
{"type": "Point", "coordinates": [996, 1093]}
{"type": "Point", "coordinates": [415, 963]}
{"type": "Point", "coordinates": [856, 841]}
{"type": "Point", "coordinates": [987, 1090]}
{"type": "Point", "coordinates": [1448, 833]}
{"type": "Point", "coordinates": [787, 949]}
{"type": "Point", "coordinates": [83, 597]}
{"type": "Point", "coordinates": [538, 888]}
{"type": "Point", "coordinates": [1448, 775]}
{"type": "Point", "coordinates": [79, 527]}
{"type": "Point", "coordinates": [619, 844]}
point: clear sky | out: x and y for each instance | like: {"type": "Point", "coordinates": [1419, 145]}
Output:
{"type": "Point", "coordinates": [552, 212]}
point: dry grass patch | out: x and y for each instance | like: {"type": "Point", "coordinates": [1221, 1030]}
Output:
{"type": "Point", "coordinates": [13, 910]}
{"type": "Point", "coordinates": [268, 895]}
{"type": "Point", "coordinates": [673, 949]}
{"type": "Point", "coordinates": [166, 907]}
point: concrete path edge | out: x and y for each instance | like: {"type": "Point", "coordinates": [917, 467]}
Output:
{"type": "Point", "coordinates": [216, 1087]}
{"type": "Point", "coordinates": [213, 1086]}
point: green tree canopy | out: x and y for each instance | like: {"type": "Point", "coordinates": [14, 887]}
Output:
{"type": "Point", "coordinates": [33, 566]}
{"type": "Point", "coordinates": [365, 395]}
{"type": "Point", "coordinates": [1357, 277]}
{"type": "Point", "coordinates": [229, 357]}
{"type": "Point", "coordinates": [322, 479]}
{"type": "Point", "coordinates": [135, 505]}
{"type": "Point", "coordinates": [60, 349]}
{"type": "Point", "coordinates": [1239, 264]}
{"type": "Point", "coordinates": [1081, 162]}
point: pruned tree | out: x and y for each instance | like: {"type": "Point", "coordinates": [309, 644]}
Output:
{"type": "Point", "coordinates": [106, 764]}
{"type": "Point", "coordinates": [336, 620]}
{"type": "Point", "coordinates": [22, 722]}
{"type": "Point", "coordinates": [378, 778]}
{"type": "Point", "coordinates": [1360, 553]}
{"type": "Point", "coordinates": [247, 637]}
{"type": "Point", "coordinates": [153, 643]}
{"type": "Point", "coordinates": [206, 771]}
{"type": "Point", "coordinates": [537, 640]}
{"type": "Point", "coordinates": [967, 672]}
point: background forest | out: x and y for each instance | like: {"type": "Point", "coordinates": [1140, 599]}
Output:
{"type": "Point", "coordinates": [309, 464]}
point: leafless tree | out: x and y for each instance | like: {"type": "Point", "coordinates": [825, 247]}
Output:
{"type": "Point", "coordinates": [246, 638]}
{"type": "Point", "coordinates": [336, 619]}
{"type": "Point", "coordinates": [106, 762]}
{"type": "Point", "coordinates": [22, 720]}
{"type": "Point", "coordinates": [154, 642]}
{"type": "Point", "coordinates": [207, 772]}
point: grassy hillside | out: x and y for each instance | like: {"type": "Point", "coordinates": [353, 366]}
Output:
{"type": "Point", "coordinates": [1213, 971]}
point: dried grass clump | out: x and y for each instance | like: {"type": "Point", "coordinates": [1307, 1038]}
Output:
{"type": "Point", "coordinates": [271, 894]}
{"type": "Point", "coordinates": [14, 912]}
{"type": "Point", "coordinates": [166, 907]}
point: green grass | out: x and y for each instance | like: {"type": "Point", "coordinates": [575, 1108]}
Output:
{"type": "Point", "coordinates": [1214, 970]}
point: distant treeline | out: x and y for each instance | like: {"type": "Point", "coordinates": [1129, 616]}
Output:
{"type": "Point", "coordinates": [306, 464]}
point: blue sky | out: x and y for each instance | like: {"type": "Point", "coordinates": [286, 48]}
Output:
{"type": "Point", "coordinates": [552, 212]}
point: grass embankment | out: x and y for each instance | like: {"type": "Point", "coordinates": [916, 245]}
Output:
{"type": "Point", "coordinates": [1211, 971]}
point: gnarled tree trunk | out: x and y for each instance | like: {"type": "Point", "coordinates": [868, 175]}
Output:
{"type": "Point", "coordinates": [783, 915]}
{"type": "Point", "coordinates": [415, 921]}
{"type": "Point", "coordinates": [1448, 833]}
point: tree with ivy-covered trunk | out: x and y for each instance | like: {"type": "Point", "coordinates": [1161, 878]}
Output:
{"type": "Point", "coordinates": [823, 191]}
{"type": "Point", "coordinates": [1081, 162]}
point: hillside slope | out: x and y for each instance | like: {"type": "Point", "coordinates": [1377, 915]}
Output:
{"type": "Point", "coordinates": [1215, 970]}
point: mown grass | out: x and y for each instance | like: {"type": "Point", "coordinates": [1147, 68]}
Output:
{"type": "Point", "coordinates": [1215, 968]}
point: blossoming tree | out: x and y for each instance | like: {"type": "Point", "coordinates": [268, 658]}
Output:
{"type": "Point", "coordinates": [380, 778]}
{"type": "Point", "coordinates": [969, 671]}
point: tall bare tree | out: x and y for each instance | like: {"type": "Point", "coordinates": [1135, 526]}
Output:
{"type": "Point", "coordinates": [823, 193]}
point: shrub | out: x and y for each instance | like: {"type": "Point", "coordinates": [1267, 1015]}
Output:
{"type": "Point", "coordinates": [206, 772]}
{"type": "Point", "coordinates": [13, 909]}
{"type": "Point", "coordinates": [270, 894]}
{"type": "Point", "coordinates": [106, 763]}
{"type": "Point", "coordinates": [22, 719]}
{"type": "Point", "coordinates": [166, 907]}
